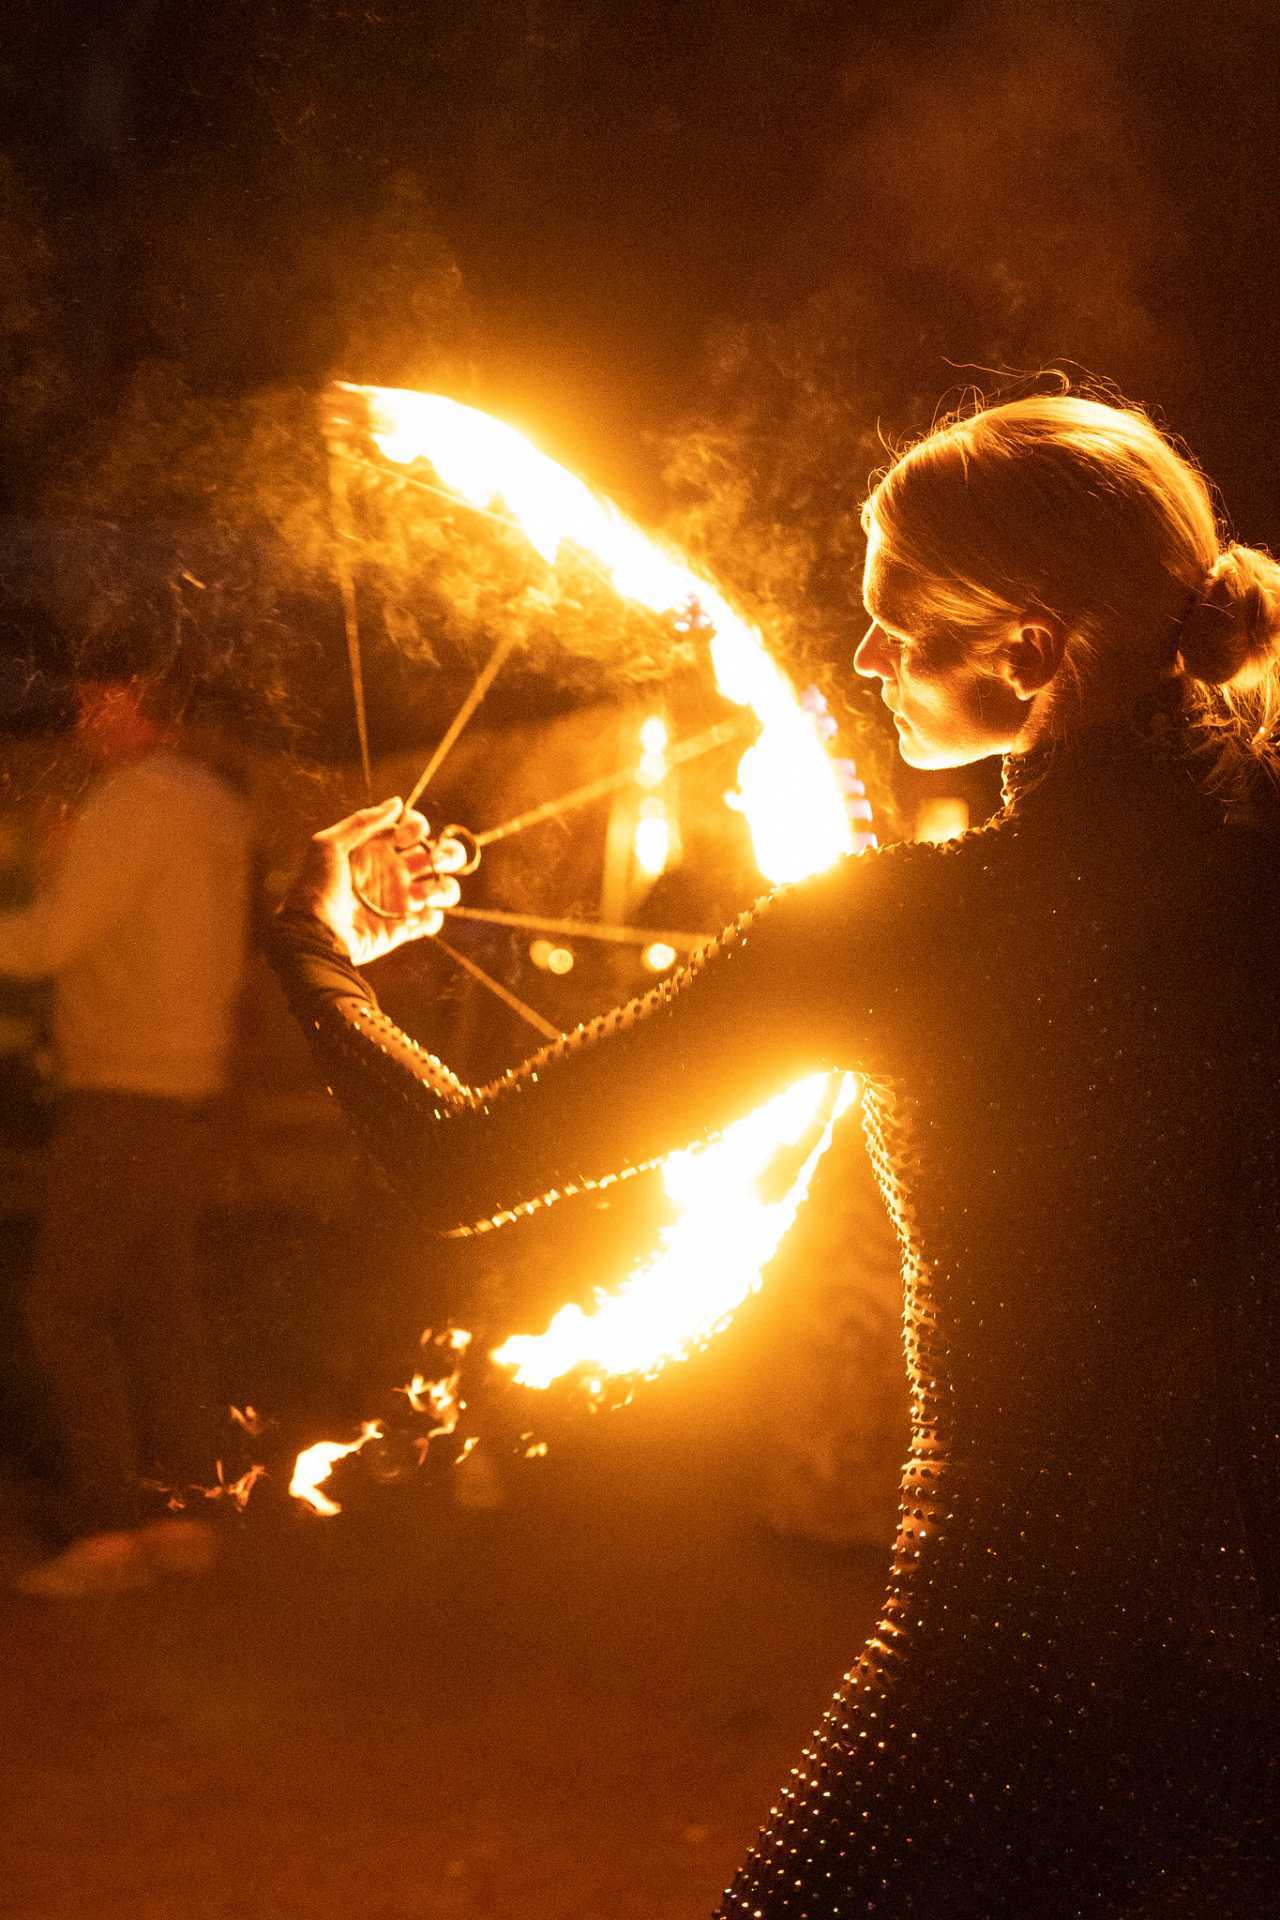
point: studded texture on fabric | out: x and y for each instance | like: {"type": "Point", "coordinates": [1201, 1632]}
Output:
{"type": "Point", "coordinates": [1068, 1025]}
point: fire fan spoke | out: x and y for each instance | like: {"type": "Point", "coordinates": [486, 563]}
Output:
{"type": "Point", "coordinates": [512, 544]}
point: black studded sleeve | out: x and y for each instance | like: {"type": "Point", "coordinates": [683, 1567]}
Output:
{"type": "Point", "coordinates": [800, 983]}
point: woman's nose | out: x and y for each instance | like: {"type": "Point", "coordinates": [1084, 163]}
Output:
{"type": "Point", "coordinates": [871, 657]}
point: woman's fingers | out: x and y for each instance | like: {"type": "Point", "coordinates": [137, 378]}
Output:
{"type": "Point", "coordinates": [365, 824]}
{"type": "Point", "coordinates": [435, 891]}
{"type": "Point", "coordinates": [448, 856]}
{"type": "Point", "coordinates": [407, 831]}
{"type": "Point", "coordinates": [411, 830]}
{"type": "Point", "coordinates": [433, 860]}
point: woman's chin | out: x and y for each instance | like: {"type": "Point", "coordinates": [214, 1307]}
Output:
{"type": "Point", "coordinates": [915, 752]}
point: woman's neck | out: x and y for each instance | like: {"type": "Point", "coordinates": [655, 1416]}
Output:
{"type": "Point", "coordinates": [1061, 715]}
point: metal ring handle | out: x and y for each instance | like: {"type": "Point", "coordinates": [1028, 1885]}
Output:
{"type": "Point", "coordinates": [465, 838]}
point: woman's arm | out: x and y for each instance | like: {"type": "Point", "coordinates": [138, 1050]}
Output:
{"type": "Point", "coordinates": [792, 987]}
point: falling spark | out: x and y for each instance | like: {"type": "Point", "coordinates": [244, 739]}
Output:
{"type": "Point", "coordinates": [314, 1465]}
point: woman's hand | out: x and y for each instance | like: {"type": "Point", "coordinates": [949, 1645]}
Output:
{"type": "Point", "coordinates": [396, 863]}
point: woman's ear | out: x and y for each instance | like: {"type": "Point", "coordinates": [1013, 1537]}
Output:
{"type": "Point", "coordinates": [1032, 654]}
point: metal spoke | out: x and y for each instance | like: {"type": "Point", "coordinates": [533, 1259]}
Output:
{"type": "Point", "coordinates": [343, 539]}
{"type": "Point", "coordinates": [683, 942]}
{"type": "Point", "coordinates": [583, 929]}
{"type": "Point", "coordinates": [610, 782]}
{"type": "Point", "coordinates": [483, 681]}
{"type": "Point", "coordinates": [509, 999]}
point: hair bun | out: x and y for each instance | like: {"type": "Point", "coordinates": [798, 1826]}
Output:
{"type": "Point", "coordinates": [1232, 630]}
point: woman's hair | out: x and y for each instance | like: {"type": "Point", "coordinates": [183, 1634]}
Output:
{"type": "Point", "coordinates": [1086, 511]}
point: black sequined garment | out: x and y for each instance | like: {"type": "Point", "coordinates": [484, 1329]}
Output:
{"type": "Point", "coordinates": [1068, 1027]}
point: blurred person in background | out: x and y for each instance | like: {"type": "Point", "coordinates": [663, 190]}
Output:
{"type": "Point", "coordinates": [141, 927]}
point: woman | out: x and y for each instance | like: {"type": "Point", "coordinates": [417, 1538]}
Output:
{"type": "Point", "coordinates": [1066, 1023]}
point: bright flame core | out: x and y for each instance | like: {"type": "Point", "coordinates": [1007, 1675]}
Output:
{"type": "Point", "coordinates": [722, 1238]}
{"type": "Point", "coordinates": [711, 1257]}
{"type": "Point", "coordinates": [790, 793]}
{"type": "Point", "coordinates": [316, 1463]}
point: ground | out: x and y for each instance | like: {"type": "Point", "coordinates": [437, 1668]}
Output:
{"type": "Point", "coordinates": [576, 1707]}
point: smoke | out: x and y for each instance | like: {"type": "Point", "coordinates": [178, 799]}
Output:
{"type": "Point", "coordinates": [1003, 181]}
{"type": "Point", "coordinates": [975, 200]}
{"type": "Point", "coordinates": [984, 210]}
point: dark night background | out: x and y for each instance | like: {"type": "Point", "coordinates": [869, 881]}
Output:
{"type": "Point", "coordinates": [710, 255]}
{"type": "Point", "coordinates": [717, 257]}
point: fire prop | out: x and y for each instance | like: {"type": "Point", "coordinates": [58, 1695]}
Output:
{"type": "Point", "coordinates": [790, 792]}
{"type": "Point", "coordinates": [789, 789]}
{"type": "Point", "coordinates": [711, 1258]}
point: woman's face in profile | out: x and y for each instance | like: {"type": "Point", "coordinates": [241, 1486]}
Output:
{"type": "Point", "coordinates": [945, 715]}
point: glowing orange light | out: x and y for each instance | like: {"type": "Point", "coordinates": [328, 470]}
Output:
{"type": "Point", "coordinates": [314, 1465]}
{"type": "Point", "coordinates": [789, 792]}
{"type": "Point", "coordinates": [550, 957]}
{"type": "Point", "coordinates": [652, 841]}
{"type": "Point", "coordinates": [658, 956]}
{"type": "Point", "coordinates": [944, 817]}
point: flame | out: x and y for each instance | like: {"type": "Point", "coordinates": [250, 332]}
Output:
{"type": "Point", "coordinates": [316, 1463]}
{"type": "Point", "coordinates": [711, 1256]}
{"type": "Point", "coordinates": [239, 1490]}
{"type": "Point", "coordinates": [789, 790]}
{"type": "Point", "coordinates": [439, 1398]}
